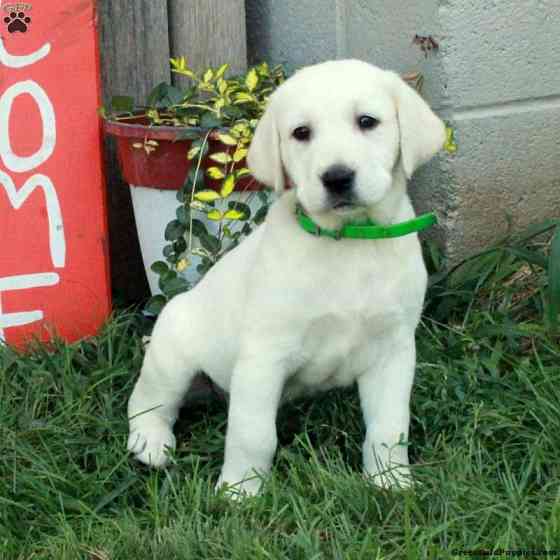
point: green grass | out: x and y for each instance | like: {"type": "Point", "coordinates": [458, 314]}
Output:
{"type": "Point", "coordinates": [485, 442]}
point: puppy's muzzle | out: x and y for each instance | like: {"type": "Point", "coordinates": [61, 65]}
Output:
{"type": "Point", "coordinates": [338, 180]}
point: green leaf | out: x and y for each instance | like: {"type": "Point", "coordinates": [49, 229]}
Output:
{"type": "Point", "coordinates": [239, 154]}
{"type": "Point", "coordinates": [174, 230]}
{"type": "Point", "coordinates": [211, 243]}
{"type": "Point", "coordinates": [204, 266]}
{"type": "Point", "coordinates": [215, 173]}
{"type": "Point", "coordinates": [233, 215]}
{"type": "Point", "coordinates": [243, 97]}
{"type": "Point", "coordinates": [122, 104]}
{"type": "Point", "coordinates": [159, 267]}
{"type": "Point", "coordinates": [182, 214]}
{"type": "Point", "coordinates": [260, 215]}
{"type": "Point", "coordinates": [242, 172]}
{"type": "Point", "coordinates": [221, 157]}
{"type": "Point", "coordinates": [174, 95]}
{"type": "Point", "coordinates": [214, 215]}
{"type": "Point", "coordinates": [210, 120]}
{"type": "Point", "coordinates": [155, 304]}
{"type": "Point", "coordinates": [232, 113]}
{"type": "Point", "coordinates": [193, 152]}
{"type": "Point", "coordinates": [201, 145]}
{"type": "Point", "coordinates": [227, 186]}
{"type": "Point", "coordinates": [241, 207]}
{"type": "Point", "coordinates": [175, 286]}
{"type": "Point", "coordinates": [227, 140]}
{"type": "Point", "coordinates": [221, 70]}
{"type": "Point", "coordinates": [199, 228]}
{"type": "Point", "coordinates": [168, 250]}
{"type": "Point", "coordinates": [252, 79]}
{"type": "Point", "coordinates": [190, 182]}
{"type": "Point", "coordinates": [180, 245]}
{"type": "Point", "coordinates": [263, 69]}
{"type": "Point", "coordinates": [554, 280]}
{"type": "Point", "coordinates": [158, 94]}
{"type": "Point", "coordinates": [207, 196]}
{"type": "Point", "coordinates": [188, 133]}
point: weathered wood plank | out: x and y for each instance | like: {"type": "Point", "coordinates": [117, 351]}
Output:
{"type": "Point", "coordinates": [209, 32]}
{"type": "Point", "coordinates": [134, 46]}
{"type": "Point", "coordinates": [134, 57]}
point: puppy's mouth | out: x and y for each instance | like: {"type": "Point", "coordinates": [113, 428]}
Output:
{"type": "Point", "coordinates": [344, 205]}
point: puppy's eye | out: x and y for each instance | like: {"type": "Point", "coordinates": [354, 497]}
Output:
{"type": "Point", "coordinates": [365, 122]}
{"type": "Point", "coordinates": [302, 133]}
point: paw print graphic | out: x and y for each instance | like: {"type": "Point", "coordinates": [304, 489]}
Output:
{"type": "Point", "coordinates": [17, 21]}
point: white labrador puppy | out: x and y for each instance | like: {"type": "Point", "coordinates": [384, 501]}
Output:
{"type": "Point", "coordinates": [288, 312]}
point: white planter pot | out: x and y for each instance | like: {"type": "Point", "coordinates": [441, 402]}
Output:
{"type": "Point", "coordinates": [153, 210]}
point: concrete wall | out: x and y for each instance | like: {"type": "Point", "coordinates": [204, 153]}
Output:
{"type": "Point", "coordinates": [495, 78]}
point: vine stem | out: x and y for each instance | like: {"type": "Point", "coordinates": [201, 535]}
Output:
{"type": "Point", "coordinates": [197, 171]}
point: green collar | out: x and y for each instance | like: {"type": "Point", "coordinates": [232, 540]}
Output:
{"type": "Point", "coordinates": [367, 229]}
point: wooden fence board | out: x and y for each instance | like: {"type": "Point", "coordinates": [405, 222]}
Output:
{"type": "Point", "coordinates": [209, 32]}
{"type": "Point", "coordinates": [134, 58]}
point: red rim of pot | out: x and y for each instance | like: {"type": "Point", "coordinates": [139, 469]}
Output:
{"type": "Point", "coordinates": [167, 166]}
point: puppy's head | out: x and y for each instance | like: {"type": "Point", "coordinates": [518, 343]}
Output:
{"type": "Point", "coordinates": [337, 131]}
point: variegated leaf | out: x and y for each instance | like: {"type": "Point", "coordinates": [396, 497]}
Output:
{"type": "Point", "coordinates": [243, 97]}
{"type": "Point", "coordinates": [227, 140]}
{"type": "Point", "coordinates": [239, 154]}
{"type": "Point", "coordinates": [215, 173]}
{"type": "Point", "coordinates": [243, 172]}
{"type": "Point", "coordinates": [233, 215]}
{"type": "Point", "coordinates": [228, 186]}
{"type": "Point", "coordinates": [222, 86]}
{"type": "Point", "coordinates": [221, 157]}
{"type": "Point", "coordinates": [207, 196]}
{"type": "Point", "coordinates": [222, 70]}
{"type": "Point", "coordinates": [193, 152]}
{"type": "Point", "coordinates": [214, 215]}
{"type": "Point", "coordinates": [252, 80]}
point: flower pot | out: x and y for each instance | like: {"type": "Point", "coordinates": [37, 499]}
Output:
{"type": "Point", "coordinates": [155, 175]}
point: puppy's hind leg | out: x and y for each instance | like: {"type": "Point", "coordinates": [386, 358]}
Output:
{"type": "Point", "coordinates": [154, 404]}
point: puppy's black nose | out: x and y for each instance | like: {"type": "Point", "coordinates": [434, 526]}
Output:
{"type": "Point", "coordinates": [338, 179]}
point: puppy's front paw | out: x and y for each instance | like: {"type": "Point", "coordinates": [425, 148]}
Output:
{"type": "Point", "coordinates": [150, 440]}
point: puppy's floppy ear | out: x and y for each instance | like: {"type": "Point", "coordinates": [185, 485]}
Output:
{"type": "Point", "coordinates": [264, 156]}
{"type": "Point", "coordinates": [422, 132]}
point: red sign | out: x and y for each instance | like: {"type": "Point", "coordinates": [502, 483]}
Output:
{"type": "Point", "coordinates": [53, 231]}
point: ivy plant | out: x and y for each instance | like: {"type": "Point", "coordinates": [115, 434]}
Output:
{"type": "Point", "coordinates": [218, 115]}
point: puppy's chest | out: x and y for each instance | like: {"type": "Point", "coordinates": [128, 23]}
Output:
{"type": "Point", "coordinates": [337, 347]}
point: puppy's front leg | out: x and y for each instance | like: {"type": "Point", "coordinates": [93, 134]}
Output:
{"type": "Point", "coordinates": [385, 397]}
{"type": "Point", "coordinates": [251, 440]}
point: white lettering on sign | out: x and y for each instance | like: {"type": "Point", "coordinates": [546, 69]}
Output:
{"type": "Point", "coordinates": [12, 61]}
{"type": "Point", "coordinates": [17, 197]}
{"type": "Point", "coordinates": [12, 161]}
{"type": "Point", "coordinates": [57, 240]}
{"type": "Point", "coordinates": [23, 282]}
